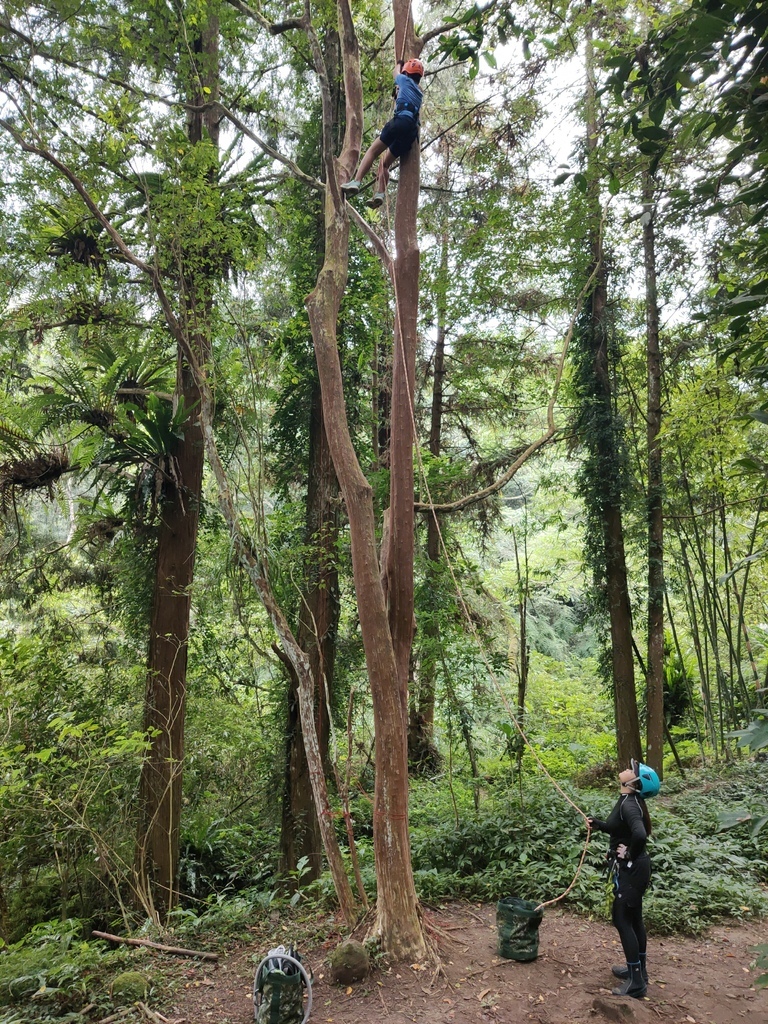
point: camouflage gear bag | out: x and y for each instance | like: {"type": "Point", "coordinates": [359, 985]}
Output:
{"type": "Point", "coordinates": [518, 924]}
{"type": "Point", "coordinates": [278, 988]}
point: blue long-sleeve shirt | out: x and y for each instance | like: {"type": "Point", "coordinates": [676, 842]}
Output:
{"type": "Point", "coordinates": [409, 95]}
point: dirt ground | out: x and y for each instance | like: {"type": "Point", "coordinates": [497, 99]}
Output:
{"type": "Point", "coordinates": [705, 980]}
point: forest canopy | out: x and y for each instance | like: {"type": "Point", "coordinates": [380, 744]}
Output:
{"type": "Point", "coordinates": [327, 531]}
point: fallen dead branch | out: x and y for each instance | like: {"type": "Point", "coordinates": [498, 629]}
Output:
{"type": "Point", "coordinates": [381, 997]}
{"type": "Point", "coordinates": [174, 950]}
{"type": "Point", "coordinates": [115, 1016]}
{"type": "Point", "coordinates": [155, 1018]}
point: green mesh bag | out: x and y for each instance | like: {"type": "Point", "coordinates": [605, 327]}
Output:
{"type": "Point", "coordinates": [518, 924]}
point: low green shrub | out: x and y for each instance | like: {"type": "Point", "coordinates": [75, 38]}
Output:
{"type": "Point", "coordinates": [218, 856]}
{"type": "Point", "coordinates": [762, 964]}
{"type": "Point", "coordinates": [731, 800]}
{"type": "Point", "coordinates": [531, 850]}
{"type": "Point", "coordinates": [53, 969]}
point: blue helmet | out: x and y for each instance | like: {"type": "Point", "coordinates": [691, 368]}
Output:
{"type": "Point", "coordinates": [648, 783]}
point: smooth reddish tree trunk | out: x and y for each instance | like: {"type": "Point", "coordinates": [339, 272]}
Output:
{"type": "Point", "coordinates": [397, 921]}
{"type": "Point", "coordinates": [421, 749]}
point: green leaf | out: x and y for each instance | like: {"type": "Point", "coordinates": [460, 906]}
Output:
{"type": "Point", "coordinates": [657, 109]}
{"type": "Point", "coordinates": [43, 756]}
{"type": "Point", "coordinates": [653, 132]}
{"type": "Point", "coordinates": [730, 819]}
{"type": "Point", "coordinates": [755, 736]}
{"type": "Point", "coordinates": [742, 564]}
{"type": "Point", "coordinates": [623, 66]}
{"type": "Point", "coordinates": [745, 303]}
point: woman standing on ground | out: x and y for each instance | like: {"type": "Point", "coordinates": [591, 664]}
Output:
{"type": "Point", "coordinates": [629, 826]}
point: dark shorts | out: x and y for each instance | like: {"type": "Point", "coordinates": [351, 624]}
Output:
{"type": "Point", "coordinates": [399, 134]}
{"type": "Point", "coordinates": [631, 883]}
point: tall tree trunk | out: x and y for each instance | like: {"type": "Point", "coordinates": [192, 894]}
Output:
{"type": "Point", "coordinates": [696, 606]}
{"type": "Point", "coordinates": [3, 910]}
{"type": "Point", "coordinates": [318, 622]}
{"type": "Point", "coordinates": [740, 595]}
{"type": "Point", "coordinates": [655, 677]}
{"type": "Point", "coordinates": [157, 853]}
{"type": "Point", "coordinates": [394, 897]}
{"type": "Point", "coordinates": [397, 920]}
{"type": "Point", "coordinates": [422, 719]}
{"type": "Point", "coordinates": [610, 512]}
{"type": "Point", "coordinates": [399, 563]}
{"type": "Point", "coordinates": [523, 657]}
{"type": "Point", "coordinates": [319, 602]}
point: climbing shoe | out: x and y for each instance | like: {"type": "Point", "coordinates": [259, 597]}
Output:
{"type": "Point", "coordinates": [351, 188]}
{"type": "Point", "coordinates": [376, 200]}
{"type": "Point", "coordinates": [623, 972]}
{"type": "Point", "coordinates": [634, 985]}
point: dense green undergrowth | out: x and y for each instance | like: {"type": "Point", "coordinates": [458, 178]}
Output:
{"type": "Point", "coordinates": [527, 844]}
{"type": "Point", "coordinates": [530, 847]}
{"type": "Point", "coordinates": [53, 972]}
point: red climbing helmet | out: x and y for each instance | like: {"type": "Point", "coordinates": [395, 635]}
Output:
{"type": "Point", "coordinates": [413, 67]}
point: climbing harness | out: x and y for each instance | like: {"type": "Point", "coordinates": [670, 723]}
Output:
{"type": "Point", "coordinates": [278, 988]}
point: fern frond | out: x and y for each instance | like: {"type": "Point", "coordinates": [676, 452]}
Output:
{"type": "Point", "coordinates": [14, 439]}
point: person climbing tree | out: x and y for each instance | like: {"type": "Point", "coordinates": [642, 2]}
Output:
{"type": "Point", "coordinates": [397, 136]}
{"type": "Point", "coordinates": [629, 826]}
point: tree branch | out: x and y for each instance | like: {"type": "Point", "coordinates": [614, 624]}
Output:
{"type": "Point", "coordinates": [274, 28]}
{"type": "Point", "coordinates": [433, 33]}
{"type": "Point", "coordinates": [381, 250]}
{"type": "Point", "coordinates": [486, 492]}
{"type": "Point", "coordinates": [325, 98]}
{"type": "Point", "coordinates": [151, 272]}
{"type": "Point", "coordinates": [549, 433]}
{"type": "Point", "coordinates": [295, 170]}
{"type": "Point", "coordinates": [172, 103]}
{"type": "Point", "coordinates": [353, 89]}
{"type": "Point", "coordinates": [175, 950]}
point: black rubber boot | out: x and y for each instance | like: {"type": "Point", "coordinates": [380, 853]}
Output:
{"type": "Point", "coordinates": [623, 972]}
{"type": "Point", "coordinates": [634, 986]}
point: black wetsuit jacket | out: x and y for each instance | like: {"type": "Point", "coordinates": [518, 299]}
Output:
{"type": "Point", "coordinates": [625, 824]}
